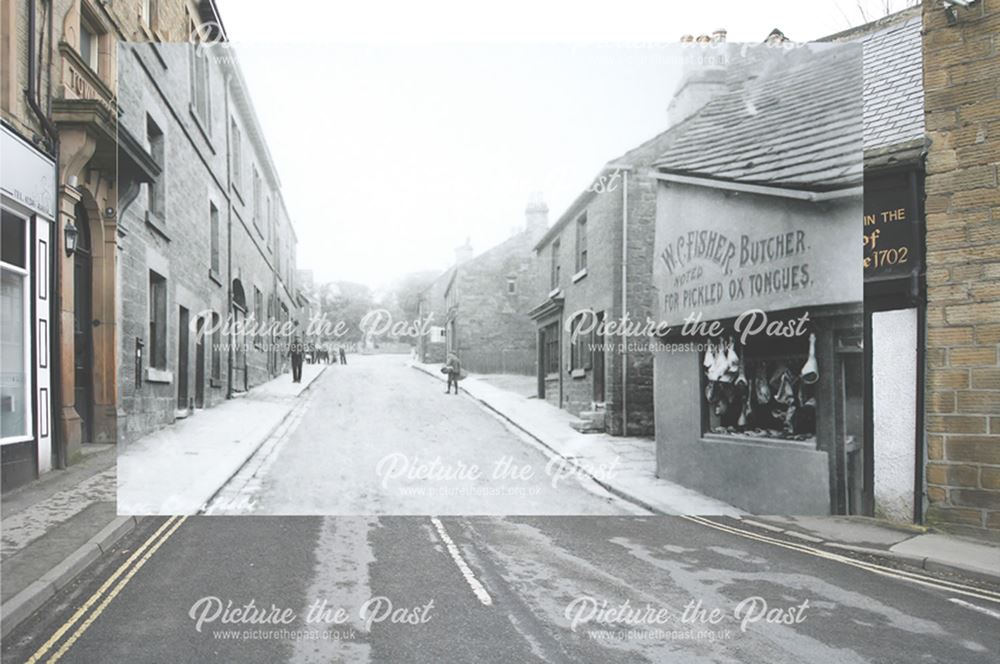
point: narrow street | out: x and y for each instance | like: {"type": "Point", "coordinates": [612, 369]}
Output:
{"type": "Point", "coordinates": [497, 590]}
{"type": "Point", "coordinates": [377, 437]}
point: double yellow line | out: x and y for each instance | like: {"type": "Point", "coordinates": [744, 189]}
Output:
{"type": "Point", "coordinates": [919, 579]}
{"type": "Point", "coordinates": [104, 595]}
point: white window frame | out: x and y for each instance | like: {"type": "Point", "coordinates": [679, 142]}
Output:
{"type": "Point", "coordinates": [25, 272]}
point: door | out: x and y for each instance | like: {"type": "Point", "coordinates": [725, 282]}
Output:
{"type": "Point", "coordinates": [199, 364]}
{"type": "Point", "coordinates": [598, 359]}
{"type": "Point", "coordinates": [182, 358]}
{"type": "Point", "coordinates": [83, 326]}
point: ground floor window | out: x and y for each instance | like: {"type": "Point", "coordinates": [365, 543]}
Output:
{"type": "Point", "coordinates": [550, 346]}
{"type": "Point", "coordinates": [14, 347]}
{"type": "Point", "coordinates": [765, 388]}
{"type": "Point", "coordinates": [157, 321]}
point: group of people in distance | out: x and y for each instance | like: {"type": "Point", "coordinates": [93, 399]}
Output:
{"type": "Point", "coordinates": [300, 352]}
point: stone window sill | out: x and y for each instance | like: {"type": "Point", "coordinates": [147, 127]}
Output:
{"type": "Point", "coordinates": [215, 382]}
{"type": "Point", "coordinates": [156, 222]}
{"type": "Point", "coordinates": [215, 276]}
{"type": "Point", "coordinates": [578, 373]}
{"type": "Point", "coordinates": [159, 375]}
{"type": "Point", "coordinates": [579, 275]}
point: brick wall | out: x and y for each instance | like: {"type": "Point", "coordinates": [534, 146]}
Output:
{"type": "Point", "coordinates": [962, 106]}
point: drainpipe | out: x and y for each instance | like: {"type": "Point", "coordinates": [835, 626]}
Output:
{"type": "Point", "coordinates": [55, 263]}
{"type": "Point", "coordinates": [624, 299]}
{"type": "Point", "coordinates": [229, 242]}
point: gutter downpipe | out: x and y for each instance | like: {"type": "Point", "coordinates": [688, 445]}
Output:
{"type": "Point", "coordinates": [624, 299]}
{"type": "Point", "coordinates": [229, 242]}
{"type": "Point", "coordinates": [55, 273]}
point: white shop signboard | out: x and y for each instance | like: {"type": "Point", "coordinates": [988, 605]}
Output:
{"type": "Point", "coordinates": [719, 253]}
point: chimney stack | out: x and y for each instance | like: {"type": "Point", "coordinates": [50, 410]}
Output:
{"type": "Point", "coordinates": [463, 252]}
{"type": "Point", "coordinates": [703, 81]}
{"type": "Point", "coordinates": [536, 215]}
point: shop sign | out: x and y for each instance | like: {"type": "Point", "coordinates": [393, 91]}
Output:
{"type": "Point", "coordinates": [892, 228]}
{"type": "Point", "coordinates": [719, 255]}
{"type": "Point", "coordinates": [26, 176]}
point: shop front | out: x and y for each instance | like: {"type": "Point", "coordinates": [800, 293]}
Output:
{"type": "Point", "coordinates": [27, 199]}
{"type": "Point", "coordinates": [759, 380]}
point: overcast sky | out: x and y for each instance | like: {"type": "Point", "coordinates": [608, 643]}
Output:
{"type": "Point", "coordinates": [400, 129]}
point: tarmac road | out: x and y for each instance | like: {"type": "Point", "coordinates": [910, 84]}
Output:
{"type": "Point", "coordinates": [420, 589]}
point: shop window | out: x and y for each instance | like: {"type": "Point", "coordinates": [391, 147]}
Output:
{"type": "Point", "coordinates": [764, 389]}
{"type": "Point", "coordinates": [213, 214]}
{"type": "Point", "coordinates": [15, 408]}
{"type": "Point", "coordinates": [581, 243]}
{"type": "Point", "coordinates": [157, 321]}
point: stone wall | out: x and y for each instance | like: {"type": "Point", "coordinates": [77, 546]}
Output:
{"type": "Point", "coordinates": [255, 244]}
{"type": "Point", "coordinates": [962, 104]}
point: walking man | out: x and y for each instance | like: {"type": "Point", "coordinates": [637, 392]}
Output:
{"type": "Point", "coordinates": [454, 371]}
{"type": "Point", "coordinates": [296, 352]}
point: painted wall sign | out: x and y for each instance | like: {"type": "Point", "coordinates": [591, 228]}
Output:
{"type": "Point", "coordinates": [720, 254]}
{"type": "Point", "coordinates": [892, 228]}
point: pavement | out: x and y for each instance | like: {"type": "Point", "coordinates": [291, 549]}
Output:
{"type": "Point", "coordinates": [636, 482]}
{"type": "Point", "coordinates": [56, 527]}
{"type": "Point", "coordinates": [178, 469]}
{"type": "Point", "coordinates": [624, 466]}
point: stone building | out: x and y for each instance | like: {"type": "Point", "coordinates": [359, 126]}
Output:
{"type": "Point", "coordinates": [482, 303]}
{"type": "Point", "coordinates": [961, 66]}
{"type": "Point", "coordinates": [59, 104]}
{"type": "Point", "coordinates": [205, 243]}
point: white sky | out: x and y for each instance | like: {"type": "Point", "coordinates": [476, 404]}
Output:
{"type": "Point", "coordinates": [401, 128]}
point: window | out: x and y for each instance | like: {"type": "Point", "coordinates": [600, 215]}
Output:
{"type": "Point", "coordinates": [550, 348]}
{"type": "Point", "coordinates": [89, 44]}
{"type": "Point", "coordinates": [256, 199]}
{"type": "Point", "coordinates": [147, 13]}
{"type": "Point", "coordinates": [15, 404]}
{"type": "Point", "coordinates": [580, 343]}
{"type": "Point", "coordinates": [200, 86]}
{"type": "Point", "coordinates": [258, 311]}
{"type": "Point", "coordinates": [581, 243]}
{"type": "Point", "coordinates": [511, 285]}
{"type": "Point", "coordinates": [216, 348]}
{"type": "Point", "coordinates": [554, 277]}
{"type": "Point", "coordinates": [761, 389]}
{"type": "Point", "coordinates": [157, 321]}
{"type": "Point", "coordinates": [213, 213]}
{"type": "Point", "coordinates": [267, 221]}
{"type": "Point", "coordinates": [237, 153]}
{"type": "Point", "coordinates": [154, 138]}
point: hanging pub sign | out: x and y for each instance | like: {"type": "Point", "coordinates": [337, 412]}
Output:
{"type": "Point", "coordinates": [719, 255]}
{"type": "Point", "coordinates": [892, 227]}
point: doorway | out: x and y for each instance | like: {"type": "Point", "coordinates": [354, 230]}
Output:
{"type": "Point", "coordinates": [83, 326]}
{"type": "Point", "coordinates": [182, 358]}
{"type": "Point", "coordinates": [598, 359]}
{"type": "Point", "coordinates": [199, 364]}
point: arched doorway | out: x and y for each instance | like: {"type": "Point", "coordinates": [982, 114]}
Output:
{"type": "Point", "coordinates": [83, 325]}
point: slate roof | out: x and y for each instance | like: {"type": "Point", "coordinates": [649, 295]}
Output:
{"type": "Point", "coordinates": [797, 125]}
{"type": "Point", "coordinates": [893, 79]}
